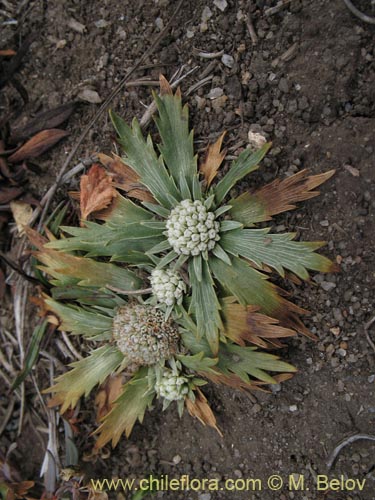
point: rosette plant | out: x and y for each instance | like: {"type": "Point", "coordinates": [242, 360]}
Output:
{"type": "Point", "coordinates": [174, 287]}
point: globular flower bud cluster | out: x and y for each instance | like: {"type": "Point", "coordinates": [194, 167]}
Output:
{"type": "Point", "coordinates": [167, 286]}
{"type": "Point", "coordinates": [143, 336]}
{"type": "Point", "coordinates": [191, 228]}
{"type": "Point", "coordinates": [171, 385]}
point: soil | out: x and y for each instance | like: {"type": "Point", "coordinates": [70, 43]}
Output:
{"type": "Point", "coordinates": [316, 102]}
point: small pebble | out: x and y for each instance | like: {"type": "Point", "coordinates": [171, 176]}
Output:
{"type": "Point", "coordinates": [227, 60]}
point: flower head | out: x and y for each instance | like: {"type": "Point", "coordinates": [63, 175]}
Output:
{"type": "Point", "coordinates": [171, 385]}
{"type": "Point", "coordinates": [167, 286]}
{"type": "Point", "coordinates": [192, 229]}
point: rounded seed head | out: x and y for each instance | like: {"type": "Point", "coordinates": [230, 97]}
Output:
{"type": "Point", "coordinates": [142, 334]}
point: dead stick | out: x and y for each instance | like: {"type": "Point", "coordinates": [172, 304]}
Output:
{"type": "Point", "coordinates": [46, 201]}
{"type": "Point", "coordinates": [251, 29]}
{"type": "Point", "coordinates": [366, 328]}
{"type": "Point", "coordinates": [349, 440]}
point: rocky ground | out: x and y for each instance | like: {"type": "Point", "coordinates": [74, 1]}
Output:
{"type": "Point", "coordinates": [305, 78]}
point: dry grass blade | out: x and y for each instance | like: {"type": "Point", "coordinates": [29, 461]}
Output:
{"type": "Point", "coordinates": [346, 442]}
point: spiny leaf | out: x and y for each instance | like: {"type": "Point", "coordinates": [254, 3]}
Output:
{"type": "Point", "coordinates": [247, 361]}
{"type": "Point", "coordinates": [96, 191]}
{"type": "Point", "coordinates": [277, 251]}
{"type": "Point", "coordinates": [212, 161]}
{"type": "Point", "coordinates": [251, 287]}
{"type": "Point", "coordinates": [198, 362]}
{"type": "Point", "coordinates": [177, 142]}
{"type": "Point", "coordinates": [141, 157]}
{"type": "Point", "coordinates": [276, 197]}
{"type": "Point", "coordinates": [85, 271]}
{"type": "Point", "coordinates": [200, 409]}
{"type": "Point", "coordinates": [130, 406]}
{"type": "Point", "coordinates": [85, 375]}
{"type": "Point", "coordinates": [205, 305]}
{"type": "Point", "coordinates": [246, 162]}
{"type": "Point", "coordinates": [79, 321]}
{"type": "Point", "coordinates": [245, 324]}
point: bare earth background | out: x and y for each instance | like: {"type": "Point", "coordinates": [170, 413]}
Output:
{"type": "Point", "coordinates": [317, 105]}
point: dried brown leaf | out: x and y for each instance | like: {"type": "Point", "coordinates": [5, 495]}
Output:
{"type": "Point", "coordinates": [125, 178]}
{"type": "Point", "coordinates": [38, 144]}
{"type": "Point", "coordinates": [201, 410]}
{"type": "Point", "coordinates": [49, 119]}
{"type": "Point", "coordinates": [96, 192]}
{"type": "Point", "coordinates": [245, 324]}
{"type": "Point", "coordinates": [213, 159]}
{"type": "Point", "coordinates": [107, 395]}
{"type": "Point", "coordinates": [281, 195]}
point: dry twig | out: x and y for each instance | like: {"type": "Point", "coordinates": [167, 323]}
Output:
{"type": "Point", "coordinates": [366, 328]}
{"type": "Point", "coordinates": [346, 442]}
{"type": "Point", "coordinates": [363, 17]}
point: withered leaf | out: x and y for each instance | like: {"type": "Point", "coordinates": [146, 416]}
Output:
{"type": "Point", "coordinates": [97, 191]}
{"type": "Point", "coordinates": [38, 144]}
{"type": "Point", "coordinates": [49, 119]}
{"type": "Point", "coordinates": [201, 410]}
{"type": "Point", "coordinates": [212, 161]}
{"type": "Point", "coordinates": [107, 395]}
{"type": "Point", "coordinates": [125, 178]}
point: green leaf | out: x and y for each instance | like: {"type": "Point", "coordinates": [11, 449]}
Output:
{"type": "Point", "coordinates": [248, 361]}
{"type": "Point", "coordinates": [229, 225]}
{"type": "Point", "coordinates": [246, 162]}
{"type": "Point", "coordinates": [87, 296]}
{"type": "Point", "coordinates": [157, 209]}
{"type": "Point", "coordinates": [130, 406]}
{"type": "Point", "coordinates": [79, 321]}
{"type": "Point", "coordinates": [32, 353]}
{"type": "Point", "coordinates": [85, 271]}
{"type": "Point", "coordinates": [167, 259]}
{"type": "Point", "coordinates": [86, 374]}
{"type": "Point", "coordinates": [197, 262]}
{"type": "Point", "coordinates": [276, 250]}
{"type": "Point", "coordinates": [102, 240]}
{"type": "Point", "coordinates": [177, 142]}
{"type": "Point", "coordinates": [141, 157]}
{"type": "Point", "coordinates": [124, 211]}
{"type": "Point", "coordinates": [248, 285]}
{"type": "Point", "coordinates": [160, 247]}
{"type": "Point", "coordinates": [205, 306]}
{"type": "Point", "coordinates": [221, 254]}
{"type": "Point", "coordinates": [198, 362]}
